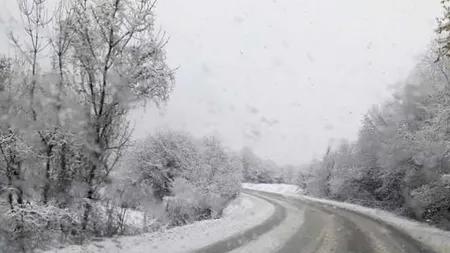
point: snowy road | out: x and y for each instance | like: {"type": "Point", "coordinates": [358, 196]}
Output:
{"type": "Point", "coordinates": [331, 229]}
{"type": "Point", "coordinates": [268, 222]}
{"type": "Point", "coordinates": [324, 229]}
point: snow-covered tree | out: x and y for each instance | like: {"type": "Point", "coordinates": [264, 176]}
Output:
{"type": "Point", "coordinates": [194, 177]}
{"type": "Point", "coordinates": [258, 170]}
{"type": "Point", "coordinates": [162, 157]}
{"type": "Point", "coordinates": [65, 100]}
{"type": "Point", "coordinates": [116, 59]}
{"type": "Point", "coordinates": [400, 159]}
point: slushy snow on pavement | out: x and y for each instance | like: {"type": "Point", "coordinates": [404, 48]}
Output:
{"type": "Point", "coordinates": [277, 237]}
{"type": "Point", "coordinates": [437, 239]}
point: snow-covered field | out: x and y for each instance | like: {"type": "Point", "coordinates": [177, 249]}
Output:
{"type": "Point", "coordinates": [241, 214]}
{"type": "Point", "coordinates": [437, 239]}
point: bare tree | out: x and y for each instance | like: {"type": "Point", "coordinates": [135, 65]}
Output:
{"type": "Point", "coordinates": [11, 143]}
{"type": "Point", "coordinates": [119, 61]}
{"type": "Point", "coordinates": [36, 24]}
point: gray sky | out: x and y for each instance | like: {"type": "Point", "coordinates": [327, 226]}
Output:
{"type": "Point", "coordinates": [284, 76]}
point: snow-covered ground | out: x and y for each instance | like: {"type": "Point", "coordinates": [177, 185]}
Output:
{"type": "Point", "coordinates": [136, 219]}
{"type": "Point", "coordinates": [437, 239]}
{"type": "Point", "coordinates": [241, 214]}
{"type": "Point", "coordinates": [286, 189]}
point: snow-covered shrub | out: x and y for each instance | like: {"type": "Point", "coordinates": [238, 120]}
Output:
{"type": "Point", "coordinates": [111, 217]}
{"type": "Point", "coordinates": [105, 220]}
{"type": "Point", "coordinates": [434, 198]}
{"type": "Point", "coordinates": [194, 177]}
{"type": "Point", "coordinates": [108, 218]}
{"type": "Point", "coordinates": [136, 208]}
{"type": "Point", "coordinates": [30, 226]}
{"type": "Point", "coordinates": [191, 204]}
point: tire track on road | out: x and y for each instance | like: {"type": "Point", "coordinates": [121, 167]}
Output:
{"type": "Point", "coordinates": [324, 232]}
{"type": "Point", "coordinates": [395, 241]}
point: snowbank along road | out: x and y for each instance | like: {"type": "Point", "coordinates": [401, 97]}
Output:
{"type": "Point", "coordinates": [323, 229]}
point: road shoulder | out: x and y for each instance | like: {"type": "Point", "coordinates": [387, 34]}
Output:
{"type": "Point", "coordinates": [242, 214]}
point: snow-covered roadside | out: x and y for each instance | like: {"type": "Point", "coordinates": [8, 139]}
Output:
{"type": "Point", "coordinates": [436, 239]}
{"type": "Point", "coordinates": [241, 214]}
{"type": "Point", "coordinates": [285, 189]}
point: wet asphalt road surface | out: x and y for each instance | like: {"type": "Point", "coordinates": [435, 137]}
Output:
{"type": "Point", "coordinates": [326, 229]}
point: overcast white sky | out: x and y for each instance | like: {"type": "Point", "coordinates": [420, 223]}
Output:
{"type": "Point", "coordinates": [284, 76]}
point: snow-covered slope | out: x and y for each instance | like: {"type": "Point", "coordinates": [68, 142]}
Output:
{"type": "Point", "coordinates": [241, 214]}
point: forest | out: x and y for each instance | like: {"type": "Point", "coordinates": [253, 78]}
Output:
{"type": "Point", "coordinates": [400, 159]}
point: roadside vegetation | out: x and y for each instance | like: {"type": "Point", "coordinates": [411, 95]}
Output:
{"type": "Point", "coordinates": [400, 160]}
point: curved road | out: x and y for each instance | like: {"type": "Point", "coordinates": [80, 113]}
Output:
{"type": "Point", "coordinates": [325, 229]}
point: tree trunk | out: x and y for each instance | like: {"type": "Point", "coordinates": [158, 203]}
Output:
{"type": "Point", "coordinates": [47, 180]}
{"type": "Point", "coordinates": [64, 179]}
{"type": "Point", "coordinates": [14, 182]}
{"type": "Point", "coordinates": [90, 193]}
{"type": "Point", "coordinates": [87, 209]}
